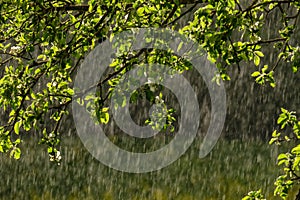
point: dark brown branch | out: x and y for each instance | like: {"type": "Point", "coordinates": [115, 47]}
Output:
{"type": "Point", "coordinates": [59, 106]}
{"type": "Point", "coordinates": [189, 1]}
{"type": "Point", "coordinates": [254, 5]}
{"type": "Point", "coordinates": [298, 195]}
{"type": "Point", "coordinates": [267, 41]}
{"type": "Point", "coordinates": [24, 95]}
{"type": "Point", "coordinates": [124, 67]}
{"type": "Point", "coordinates": [235, 54]}
{"type": "Point", "coordinates": [72, 8]}
{"type": "Point", "coordinates": [170, 15]}
{"type": "Point", "coordinates": [111, 75]}
{"type": "Point", "coordinates": [294, 16]}
{"type": "Point", "coordinates": [186, 12]}
{"type": "Point", "coordinates": [14, 55]}
{"type": "Point", "coordinates": [239, 6]}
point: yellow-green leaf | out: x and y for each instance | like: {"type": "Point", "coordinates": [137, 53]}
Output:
{"type": "Point", "coordinates": [255, 74]}
{"type": "Point", "coordinates": [256, 60]}
{"type": "Point", "coordinates": [17, 127]}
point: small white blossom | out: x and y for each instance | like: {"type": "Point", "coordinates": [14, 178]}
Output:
{"type": "Point", "coordinates": [15, 48]}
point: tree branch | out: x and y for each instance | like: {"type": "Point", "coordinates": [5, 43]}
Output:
{"type": "Point", "coordinates": [254, 5]}
{"type": "Point", "coordinates": [186, 12]}
{"type": "Point", "coordinates": [72, 8]}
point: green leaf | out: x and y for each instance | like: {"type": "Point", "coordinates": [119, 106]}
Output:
{"type": "Point", "coordinates": [255, 74]}
{"type": "Point", "coordinates": [273, 140]}
{"type": "Point", "coordinates": [296, 163]}
{"type": "Point", "coordinates": [179, 46]}
{"type": "Point", "coordinates": [284, 110]}
{"type": "Point", "coordinates": [140, 11]}
{"type": "Point", "coordinates": [295, 69]}
{"type": "Point", "coordinates": [104, 118]}
{"type": "Point", "coordinates": [259, 53]}
{"type": "Point", "coordinates": [271, 6]}
{"type": "Point", "coordinates": [264, 69]}
{"type": "Point", "coordinates": [33, 96]}
{"type": "Point", "coordinates": [256, 60]}
{"type": "Point", "coordinates": [273, 85]}
{"type": "Point", "coordinates": [17, 127]}
{"type": "Point", "coordinates": [70, 91]}
{"type": "Point", "coordinates": [37, 71]}
{"type": "Point", "coordinates": [281, 119]}
{"type": "Point", "coordinates": [50, 149]}
{"type": "Point", "coordinates": [90, 7]}
{"type": "Point", "coordinates": [231, 3]}
{"type": "Point", "coordinates": [296, 150]}
{"type": "Point", "coordinates": [105, 109]}
{"type": "Point", "coordinates": [18, 141]}
{"type": "Point", "coordinates": [42, 57]}
{"type": "Point", "coordinates": [73, 18]}
{"type": "Point", "coordinates": [282, 156]}
{"type": "Point", "coordinates": [16, 153]}
{"type": "Point", "coordinates": [275, 134]}
{"type": "Point", "coordinates": [115, 63]}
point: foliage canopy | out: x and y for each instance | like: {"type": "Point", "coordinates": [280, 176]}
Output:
{"type": "Point", "coordinates": [44, 42]}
